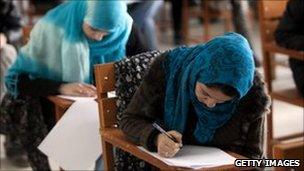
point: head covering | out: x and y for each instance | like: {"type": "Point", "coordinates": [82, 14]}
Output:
{"type": "Point", "coordinates": [226, 59]}
{"type": "Point", "coordinates": [59, 50]}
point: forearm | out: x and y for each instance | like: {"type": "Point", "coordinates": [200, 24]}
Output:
{"type": "Point", "coordinates": [139, 131]}
{"type": "Point", "coordinates": [254, 143]}
{"type": "Point", "coordinates": [145, 107]}
{"type": "Point", "coordinates": [37, 87]}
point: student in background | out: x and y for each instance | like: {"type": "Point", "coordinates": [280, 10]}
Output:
{"type": "Point", "coordinates": [13, 148]}
{"type": "Point", "coordinates": [11, 22]}
{"type": "Point", "coordinates": [290, 34]}
{"type": "Point", "coordinates": [238, 19]}
{"type": "Point", "coordinates": [11, 34]}
{"type": "Point", "coordinates": [58, 59]}
{"type": "Point", "coordinates": [143, 13]}
{"type": "Point", "coordinates": [204, 95]}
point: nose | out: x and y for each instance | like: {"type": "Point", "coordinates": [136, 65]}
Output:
{"type": "Point", "coordinates": [98, 36]}
{"type": "Point", "coordinates": [210, 103]}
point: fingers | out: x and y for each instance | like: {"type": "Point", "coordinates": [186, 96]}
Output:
{"type": "Point", "coordinates": [177, 136]}
{"type": "Point", "coordinates": [86, 90]}
{"type": "Point", "coordinates": [90, 86]}
{"type": "Point", "coordinates": [166, 147]}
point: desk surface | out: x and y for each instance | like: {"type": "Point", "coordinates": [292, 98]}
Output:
{"type": "Point", "coordinates": [116, 136]}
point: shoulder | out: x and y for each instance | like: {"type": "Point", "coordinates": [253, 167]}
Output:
{"type": "Point", "coordinates": [157, 68]}
{"type": "Point", "coordinates": [256, 102]}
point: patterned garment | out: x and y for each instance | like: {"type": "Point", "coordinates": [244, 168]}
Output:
{"type": "Point", "coordinates": [129, 73]}
{"type": "Point", "coordinates": [23, 118]}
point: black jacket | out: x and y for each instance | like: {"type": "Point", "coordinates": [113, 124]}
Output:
{"type": "Point", "coordinates": [290, 31]}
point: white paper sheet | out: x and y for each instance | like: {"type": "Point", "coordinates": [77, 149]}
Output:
{"type": "Point", "coordinates": [75, 98]}
{"type": "Point", "coordinates": [74, 143]}
{"type": "Point", "coordinates": [196, 157]}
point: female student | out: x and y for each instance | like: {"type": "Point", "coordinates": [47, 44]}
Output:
{"type": "Point", "coordinates": [203, 95]}
{"type": "Point", "coordinates": [58, 59]}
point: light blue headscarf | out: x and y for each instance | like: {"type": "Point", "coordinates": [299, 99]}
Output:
{"type": "Point", "coordinates": [59, 50]}
{"type": "Point", "coordinates": [226, 59]}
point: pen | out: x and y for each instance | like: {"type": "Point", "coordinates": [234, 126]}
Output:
{"type": "Point", "coordinates": [160, 129]}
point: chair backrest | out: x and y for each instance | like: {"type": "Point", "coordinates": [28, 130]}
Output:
{"type": "Point", "coordinates": [134, 67]}
{"type": "Point", "coordinates": [105, 83]}
{"type": "Point", "coordinates": [270, 13]}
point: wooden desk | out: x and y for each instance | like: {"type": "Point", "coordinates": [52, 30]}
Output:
{"type": "Point", "coordinates": [61, 105]}
{"type": "Point", "coordinates": [116, 136]}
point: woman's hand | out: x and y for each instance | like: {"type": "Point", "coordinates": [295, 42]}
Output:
{"type": "Point", "coordinates": [78, 89]}
{"type": "Point", "coordinates": [167, 147]}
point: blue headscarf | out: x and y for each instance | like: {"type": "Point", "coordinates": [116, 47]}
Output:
{"type": "Point", "coordinates": [59, 50]}
{"type": "Point", "coordinates": [226, 59]}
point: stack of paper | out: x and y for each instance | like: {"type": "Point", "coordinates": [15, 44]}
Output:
{"type": "Point", "coordinates": [74, 143]}
{"type": "Point", "coordinates": [196, 157]}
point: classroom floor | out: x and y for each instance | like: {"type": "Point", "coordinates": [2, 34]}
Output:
{"type": "Point", "coordinates": [287, 118]}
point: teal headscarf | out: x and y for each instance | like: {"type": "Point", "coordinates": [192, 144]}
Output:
{"type": "Point", "coordinates": [226, 59]}
{"type": "Point", "coordinates": [59, 50]}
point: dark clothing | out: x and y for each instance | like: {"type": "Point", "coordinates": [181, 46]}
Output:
{"type": "Point", "coordinates": [290, 34]}
{"type": "Point", "coordinates": [30, 116]}
{"type": "Point", "coordinates": [10, 22]}
{"type": "Point", "coordinates": [176, 13]}
{"type": "Point", "coordinates": [297, 69]}
{"type": "Point", "coordinates": [242, 134]}
{"type": "Point", "coordinates": [137, 42]}
{"type": "Point", "coordinates": [26, 119]}
{"type": "Point", "coordinates": [290, 31]}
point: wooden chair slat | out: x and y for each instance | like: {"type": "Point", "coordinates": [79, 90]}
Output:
{"type": "Point", "coordinates": [274, 48]}
{"type": "Point", "coordinates": [105, 78]}
{"type": "Point", "coordinates": [273, 9]}
{"type": "Point", "coordinates": [108, 107]}
{"type": "Point", "coordinates": [270, 27]}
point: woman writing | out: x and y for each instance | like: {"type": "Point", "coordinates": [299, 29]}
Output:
{"type": "Point", "coordinates": [203, 95]}
{"type": "Point", "coordinates": [58, 59]}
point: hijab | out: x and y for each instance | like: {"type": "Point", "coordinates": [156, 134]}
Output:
{"type": "Point", "coordinates": [226, 59]}
{"type": "Point", "coordinates": [59, 50]}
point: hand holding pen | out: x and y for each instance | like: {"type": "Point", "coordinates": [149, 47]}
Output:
{"type": "Point", "coordinates": [168, 143]}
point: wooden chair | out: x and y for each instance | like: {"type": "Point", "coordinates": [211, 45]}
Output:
{"type": "Point", "coordinates": [292, 150]}
{"type": "Point", "coordinates": [270, 12]}
{"type": "Point", "coordinates": [204, 12]}
{"type": "Point", "coordinates": [111, 135]}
